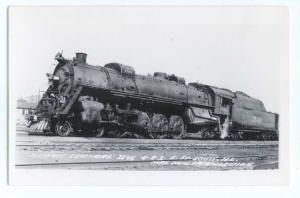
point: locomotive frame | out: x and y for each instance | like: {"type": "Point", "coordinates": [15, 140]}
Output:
{"type": "Point", "coordinates": [112, 100]}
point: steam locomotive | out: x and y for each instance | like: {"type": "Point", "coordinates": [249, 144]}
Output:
{"type": "Point", "coordinates": [112, 100]}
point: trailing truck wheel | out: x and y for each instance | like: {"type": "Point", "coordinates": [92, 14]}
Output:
{"type": "Point", "coordinates": [63, 128]}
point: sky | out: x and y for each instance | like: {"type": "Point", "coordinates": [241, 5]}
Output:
{"type": "Point", "coordinates": [238, 48]}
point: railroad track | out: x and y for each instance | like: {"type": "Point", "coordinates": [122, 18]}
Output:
{"type": "Point", "coordinates": [142, 154]}
{"type": "Point", "coordinates": [123, 141]}
{"type": "Point", "coordinates": [138, 146]}
{"type": "Point", "coordinates": [222, 143]}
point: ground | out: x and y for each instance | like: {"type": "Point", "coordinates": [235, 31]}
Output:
{"type": "Point", "coordinates": [43, 152]}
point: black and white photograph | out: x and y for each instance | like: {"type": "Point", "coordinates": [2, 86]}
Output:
{"type": "Point", "coordinates": [183, 90]}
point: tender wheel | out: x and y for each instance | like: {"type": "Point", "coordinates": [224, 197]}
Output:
{"type": "Point", "coordinates": [176, 127]}
{"type": "Point", "coordinates": [63, 128]}
{"type": "Point", "coordinates": [242, 136]}
{"type": "Point", "coordinates": [234, 136]}
{"type": "Point", "coordinates": [100, 132]}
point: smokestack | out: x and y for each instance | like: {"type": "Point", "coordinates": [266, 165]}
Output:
{"type": "Point", "coordinates": [81, 57]}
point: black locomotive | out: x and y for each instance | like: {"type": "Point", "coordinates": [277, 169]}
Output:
{"type": "Point", "coordinates": [114, 101]}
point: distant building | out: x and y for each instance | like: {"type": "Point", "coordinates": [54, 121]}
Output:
{"type": "Point", "coordinates": [23, 108]}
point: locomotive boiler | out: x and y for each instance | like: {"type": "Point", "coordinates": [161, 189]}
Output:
{"type": "Point", "coordinates": [112, 100]}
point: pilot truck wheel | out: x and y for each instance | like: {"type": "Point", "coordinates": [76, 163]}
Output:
{"type": "Point", "coordinates": [63, 128]}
